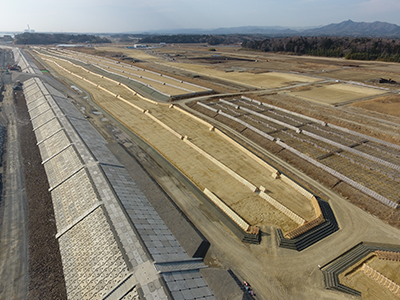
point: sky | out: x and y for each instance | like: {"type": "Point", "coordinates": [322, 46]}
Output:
{"type": "Point", "coordinates": [145, 15]}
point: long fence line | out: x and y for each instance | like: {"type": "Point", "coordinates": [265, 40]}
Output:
{"type": "Point", "coordinates": [137, 69]}
{"type": "Point", "coordinates": [342, 177]}
{"type": "Point", "coordinates": [103, 77]}
{"type": "Point", "coordinates": [88, 71]}
{"type": "Point", "coordinates": [130, 66]}
{"type": "Point", "coordinates": [285, 210]}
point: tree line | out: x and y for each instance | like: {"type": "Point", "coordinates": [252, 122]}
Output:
{"type": "Point", "coordinates": [349, 48]}
{"type": "Point", "coordinates": [228, 39]}
{"type": "Point", "coordinates": [56, 38]}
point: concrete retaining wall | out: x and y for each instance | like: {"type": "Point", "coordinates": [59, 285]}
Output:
{"type": "Point", "coordinates": [268, 118]}
{"type": "Point", "coordinates": [227, 210]}
{"type": "Point", "coordinates": [296, 186]}
{"type": "Point", "coordinates": [381, 279]}
{"type": "Point", "coordinates": [256, 130]}
{"type": "Point", "coordinates": [351, 150]}
{"type": "Point", "coordinates": [365, 136]}
{"type": "Point", "coordinates": [239, 178]}
{"type": "Point", "coordinates": [305, 227]}
{"type": "Point", "coordinates": [340, 176]}
{"type": "Point", "coordinates": [285, 110]}
{"type": "Point", "coordinates": [388, 255]}
{"type": "Point", "coordinates": [297, 219]}
{"type": "Point", "coordinates": [207, 106]}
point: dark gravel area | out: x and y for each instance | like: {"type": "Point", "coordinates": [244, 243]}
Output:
{"type": "Point", "coordinates": [46, 277]}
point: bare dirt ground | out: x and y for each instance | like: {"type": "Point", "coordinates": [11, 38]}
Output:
{"type": "Point", "coordinates": [336, 93]}
{"type": "Point", "coordinates": [204, 173]}
{"type": "Point", "coordinates": [275, 264]}
{"type": "Point", "coordinates": [45, 267]}
{"type": "Point", "coordinates": [389, 105]}
{"type": "Point", "coordinates": [370, 289]}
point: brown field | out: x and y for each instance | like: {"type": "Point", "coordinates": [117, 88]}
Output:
{"type": "Point", "coordinates": [370, 289]}
{"type": "Point", "coordinates": [201, 171]}
{"type": "Point", "coordinates": [386, 105]}
{"type": "Point", "coordinates": [336, 93]}
{"type": "Point", "coordinates": [262, 80]}
{"type": "Point", "coordinates": [307, 93]}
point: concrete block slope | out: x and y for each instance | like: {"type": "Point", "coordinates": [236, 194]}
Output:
{"type": "Point", "coordinates": [107, 250]}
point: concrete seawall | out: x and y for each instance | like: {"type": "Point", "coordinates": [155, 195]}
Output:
{"type": "Point", "coordinates": [103, 252]}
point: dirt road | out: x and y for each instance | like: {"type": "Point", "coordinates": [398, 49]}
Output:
{"type": "Point", "coordinates": [13, 232]}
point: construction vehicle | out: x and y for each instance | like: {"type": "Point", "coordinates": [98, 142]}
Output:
{"type": "Point", "coordinates": [384, 80]}
{"type": "Point", "coordinates": [14, 67]}
{"type": "Point", "coordinates": [17, 86]}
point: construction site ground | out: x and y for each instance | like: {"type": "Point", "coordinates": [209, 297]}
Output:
{"type": "Point", "coordinates": [255, 210]}
{"type": "Point", "coordinates": [278, 273]}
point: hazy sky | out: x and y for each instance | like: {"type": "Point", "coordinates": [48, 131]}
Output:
{"type": "Point", "coordinates": [134, 15]}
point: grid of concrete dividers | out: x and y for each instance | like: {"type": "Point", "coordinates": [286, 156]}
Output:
{"type": "Point", "coordinates": [176, 134]}
{"type": "Point", "coordinates": [292, 215]}
{"type": "Point", "coordinates": [140, 78]}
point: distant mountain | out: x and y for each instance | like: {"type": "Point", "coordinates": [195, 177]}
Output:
{"type": "Point", "coordinates": [346, 28]}
{"type": "Point", "coordinates": [261, 30]}
{"type": "Point", "coordinates": [353, 29]}
{"type": "Point", "coordinates": [264, 30]}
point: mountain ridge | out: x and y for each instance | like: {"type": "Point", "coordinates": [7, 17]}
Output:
{"type": "Point", "coordinates": [345, 28]}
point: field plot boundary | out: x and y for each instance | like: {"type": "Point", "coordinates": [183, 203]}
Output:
{"type": "Point", "coordinates": [348, 88]}
{"type": "Point", "coordinates": [122, 73]}
{"type": "Point", "coordinates": [232, 111]}
{"type": "Point", "coordinates": [304, 226]}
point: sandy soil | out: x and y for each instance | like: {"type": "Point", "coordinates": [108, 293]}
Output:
{"type": "Point", "coordinates": [389, 105]}
{"type": "Point", "coordinates": [336, 93]}
{"type": "Point", "coordinates": [262, 80]}
{"type": "Point", "coordinates": [200, 170]}
{"type": "Point", "coordinates": [369, 288]}
{"type": "Point", "coordinates": [355, 224]}
{"type": "Point", "coordinates": [123, 70]}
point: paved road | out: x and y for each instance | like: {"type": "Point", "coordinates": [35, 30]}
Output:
{"type": "Point", "coordinates": [13, 233]}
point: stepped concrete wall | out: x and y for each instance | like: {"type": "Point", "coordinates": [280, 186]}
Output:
{"type": "Point", "coordinates": [297, 219]}
{"type": "Point", "coordinates": [388, 255]}
{"type": "Point", "coordinates": [227, 210]}
{"type": "Point", "coordinates": [102, 253]}
{"type": "Point", "coordinates": [381, 279]}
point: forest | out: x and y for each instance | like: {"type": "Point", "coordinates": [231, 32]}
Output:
{"type": "Point", "coordinates": [349, 48]}
{"type": "Point", "coordinates": [56, 38]}
{"type": "Point", "coordinates": [228, 39]}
